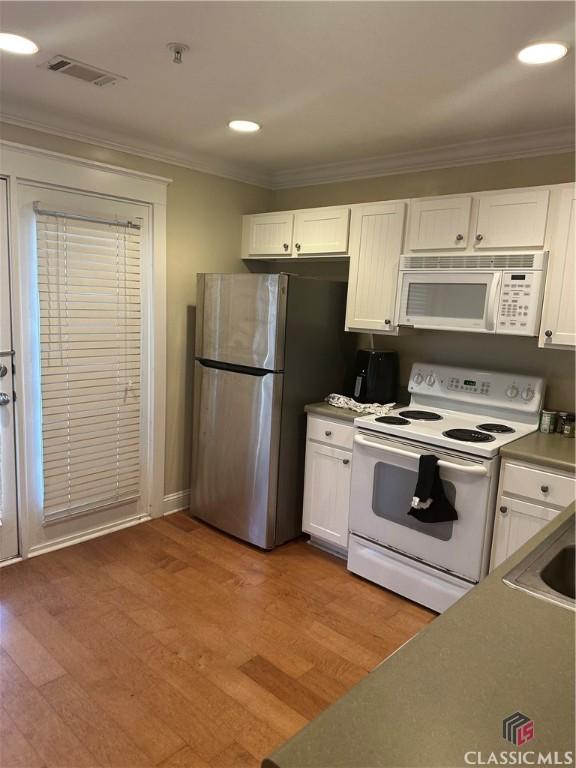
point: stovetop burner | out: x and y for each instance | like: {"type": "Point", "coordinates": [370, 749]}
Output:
{"type": "Point", "coordinates": [500, 428]}
{"type": "Point", "coordinates": [421, 415]}
{"type": "Point", "coordinates": [469, 435]}
{"type": "Point", "coordinates": [391, 420]}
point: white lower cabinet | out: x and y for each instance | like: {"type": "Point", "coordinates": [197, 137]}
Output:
{"type": "Point", "coordinates": [327, 484]}
{"type": "Point", "coordinates": [526, 497]}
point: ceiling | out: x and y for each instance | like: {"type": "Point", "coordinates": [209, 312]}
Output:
{"type": "Point", "coordinates": [340, 88]}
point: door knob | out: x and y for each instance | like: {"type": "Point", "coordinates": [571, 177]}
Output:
{"type": "Point", "coordinates": [459, 237]}
{"type": "Point", "coordinates": [4, 398]}
{"type": "Point", "coordinates": [479, 237]}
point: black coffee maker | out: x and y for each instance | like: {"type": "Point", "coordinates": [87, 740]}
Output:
{"type": "Point", "coordinates": [375, 377]}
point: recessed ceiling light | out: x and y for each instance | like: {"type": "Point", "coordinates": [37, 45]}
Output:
{"type": "Point", "coordinates": [244, 126]}
{"type": "Point", "coordinates": [542, 53]}
{"type": "Point", "coordinates": [17, 44]}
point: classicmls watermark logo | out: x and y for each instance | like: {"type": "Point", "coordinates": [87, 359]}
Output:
{"type": "Point", "coordinates": [518, 729]}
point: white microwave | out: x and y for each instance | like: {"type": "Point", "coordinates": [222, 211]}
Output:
{"type": "Point", "coordinates": [483, 293]}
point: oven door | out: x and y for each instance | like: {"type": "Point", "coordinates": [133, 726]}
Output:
{"type": "Point", "coordinates": [451, 301]}
{"type": "Point", "coordinates": [384, 475]}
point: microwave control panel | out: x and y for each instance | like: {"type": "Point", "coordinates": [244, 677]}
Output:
{"type": "Point", "coordinates": [520, 301]}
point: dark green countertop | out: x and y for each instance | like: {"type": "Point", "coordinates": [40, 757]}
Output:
{"type": "Point", "coordinates": [552, 451]}
{"type": "Point", "coordinates": [445, 693]}
{"type": "Point", "coordinates": [331, 412]}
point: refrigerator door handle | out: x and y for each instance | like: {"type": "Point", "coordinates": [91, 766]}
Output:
{"type": "Point", "coordinates": [233, 368]}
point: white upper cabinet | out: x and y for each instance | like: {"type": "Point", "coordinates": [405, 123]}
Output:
{"type": "Point", "coordinates": [512, 219]}
{"type": "Point", "coordinates": [439, 223]}
{"type": "Point", "coordinates": [321, 230]}
{"type": "Point", "coordinates": [268, 234]}
{"type": "Point", "coordinates": [375, 246]}
{"type": "Point", "coordinates": [558, 328]}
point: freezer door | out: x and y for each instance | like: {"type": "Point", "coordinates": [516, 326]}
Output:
{"type": "Point", "coordinates": [241, 319]}
{"type": "Point", "coordinates": [235, 451]}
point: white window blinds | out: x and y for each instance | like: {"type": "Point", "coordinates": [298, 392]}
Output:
{"type": "Point", "coordinates": [90, 345]}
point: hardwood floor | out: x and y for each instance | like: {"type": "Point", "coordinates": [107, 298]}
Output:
{"type": "Point", "coordinates": [170, 644]}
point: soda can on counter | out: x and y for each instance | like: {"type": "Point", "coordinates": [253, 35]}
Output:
{"type": "Point", "coordinates": [548, 421]}
{"type": "Point", "coordinates": [561, 418]}
{"type": "Point", "coordinates": [568, 426]}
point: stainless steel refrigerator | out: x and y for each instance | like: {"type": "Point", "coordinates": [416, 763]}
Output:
{"type": "Point", "coordinates": [265, 346]}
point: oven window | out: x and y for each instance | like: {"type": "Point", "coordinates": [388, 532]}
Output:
{"type": "Point", "coordinates": [392, 497]}
{"type": "Point", "coordinates": [461, 300]}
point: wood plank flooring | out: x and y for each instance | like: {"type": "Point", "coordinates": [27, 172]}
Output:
{"type": "Point", "coordinates": [170, 644]}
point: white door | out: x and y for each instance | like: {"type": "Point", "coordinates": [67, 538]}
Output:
{"type": "Point", "coordinates": [8, 504]}
{"type": "Point", "coordinates": [269, 234]}
{"type": "Point", "coordinates": [375, 247]}
{"type": "Point", "coordinates": [559, 317]}
{"type": "Point", "coordinates": [516, 522]}
{"type": "Point", "coordinates": [84, 278]}
{"type": "Point", "coordinates": [441, 223]}
{"type": "Point", "coordinates": [327, 493]}
{"type": "Point", "coordinates": [321, 230]}
{"type": "Point", "coordinates": [512, 219]}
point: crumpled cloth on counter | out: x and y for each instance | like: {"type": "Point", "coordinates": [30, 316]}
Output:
{"type": "Point", "coordinates": [340, 401]}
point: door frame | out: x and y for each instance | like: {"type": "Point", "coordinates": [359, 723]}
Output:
{"type": "Point", "coordinates": [52, 170]}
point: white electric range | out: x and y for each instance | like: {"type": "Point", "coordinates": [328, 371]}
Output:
{"type": "Point", "coordinates": [463, 417]}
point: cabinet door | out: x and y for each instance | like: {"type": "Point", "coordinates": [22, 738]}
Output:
{"type": "Point", "coordinates": [269, 234]}
{"type": "Point", "coordinates": [513, 219]}
{"type": "Point", "coordinates": [321, 230]}
{"type": "Point", "coordinates": [441, 223]}
{"type": "Point", "coordinates": [375, 246]}
{"type": "Point", "coordinates": [327, 493]}
{"type": "Point", "coordinates": [559, 320]}
{"type": "Point", "coordinates": [516, 522]}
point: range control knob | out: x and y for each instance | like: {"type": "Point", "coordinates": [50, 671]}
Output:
{"type": "Point", "coordinates": [512, 391]}
{"type": "Point", "coordinates": [418, 379]}
{"type": "Point", "coordinates": [528, 393]}
{"type": "Point", "coordinates": [430, 379]}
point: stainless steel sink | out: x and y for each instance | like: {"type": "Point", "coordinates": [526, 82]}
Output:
{"type": "Point", "coordinates": [548, 571]}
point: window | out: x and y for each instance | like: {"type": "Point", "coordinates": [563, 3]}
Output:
{"type": "Point", "coordinates": [89, 291]}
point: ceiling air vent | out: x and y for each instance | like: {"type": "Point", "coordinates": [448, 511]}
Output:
{"type": "Point", "coordinates": [81, 71]}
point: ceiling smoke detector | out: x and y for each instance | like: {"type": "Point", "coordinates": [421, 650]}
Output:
{"type": "Point", "coordinates": [85, 72]}
{"type": "Point", "coordinates": [177, 50]}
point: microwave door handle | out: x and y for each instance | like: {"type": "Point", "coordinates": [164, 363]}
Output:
{"type": "Point", "coordinates": [492, 313]}
{"type": "Point", "coordinates": [361, 440]}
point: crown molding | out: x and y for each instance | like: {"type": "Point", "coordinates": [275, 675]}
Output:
{"type": "Point", "coordinates": [194, 162]}
{"type": "Point", "coordinates": [469, 153]}
{"type": "Point", "coordinates": [532, 144]}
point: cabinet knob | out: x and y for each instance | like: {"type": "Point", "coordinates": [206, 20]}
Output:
{"type": "Point", "coordinates": [544, 488]}
{"type": "Point", "coordinates": [297, 246]}
{"type": "Point", "coordinates": [548, 334]}
{"type": "Point", "coordinates": [4, 398]}
{"type": "Point", "coordinates": [3, 371]}
{"type": "Point", "coordinates": [328, 433]}
{"type": "Point", "coordinates": [459, 236]}
{"type": "Point", "coordinates": [504, 510]}
{"type": "Point", "coordinates": [387, 322]}
{"type": "Point", "coordinates": [479, 237]}
{"type": "Point", "coordinates": [285, 246]}
{"type": "Point", "coordinates": [345, 461]}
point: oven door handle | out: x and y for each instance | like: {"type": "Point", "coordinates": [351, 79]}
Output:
{"type": "Point", "coordinates": [479, 471]}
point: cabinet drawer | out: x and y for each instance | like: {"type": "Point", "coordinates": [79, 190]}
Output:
{"type": "Point", "coordinates": [330, 432]}
{"type": "Point", "coordinates": [543, 487]}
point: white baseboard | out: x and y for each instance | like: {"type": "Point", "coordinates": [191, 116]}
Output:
{"type": "Point", "coordinates": [175, 502]}
{"type": "Point", "coordinates": [77, 538]}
